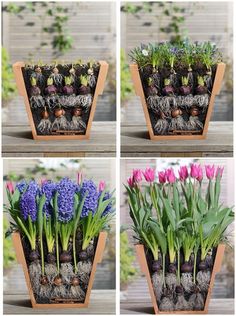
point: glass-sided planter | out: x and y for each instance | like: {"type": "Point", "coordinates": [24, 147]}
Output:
{"type": "Point", "coordinates": [151, 118]}
{"type": "Point", "coordinates": [82, 117]}
{"type": "Point", "coordinates": [143, 261]}
{"type": "Point", "coordinates": [59, 302]}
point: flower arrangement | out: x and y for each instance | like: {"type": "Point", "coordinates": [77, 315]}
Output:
{"type": "Point", "coordinates": [61, 95]}
{"type": "Point", "coordinates": [180, 222]}
{"type": "Point", "coordinates": [59, 223]}
{"type": "Point", "coordinates": [177, 80]}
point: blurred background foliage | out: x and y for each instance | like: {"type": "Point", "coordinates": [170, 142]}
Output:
{"type": "Point", "coordinates": [127, 271]}
{"type": "Point", "coordinates": [8, 84]}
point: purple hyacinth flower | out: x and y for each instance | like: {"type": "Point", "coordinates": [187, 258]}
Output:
{"type": "Point", "coordinates": [28, 205]}
{"type": "Point", "coordinates": [21, 186]}
{"type": "Point", "coordinates": [48, 188]}
{"type": "Point", "coordinates": [66, 191]}
{"type": "Point", "coordinates": [91, 200]}
{"type": "Point", "coordinates": [109, 208]}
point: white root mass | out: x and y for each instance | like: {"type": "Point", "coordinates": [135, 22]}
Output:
{"type": "Point", "coordinates": [85, 101]}
{"type": "Point", "coordinates": [78, 124]}
{"type": "Point", "coordinates": [60, 123]}
{"type": "Point", "coordinates": [44, 126]}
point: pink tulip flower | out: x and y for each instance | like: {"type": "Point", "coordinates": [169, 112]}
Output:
{"type": "Point", "coordinates": [194, 170]}
{"type": "Point", "coordinates": [137, 175]}
{"type": "Point", "coordinates": [170, 175]}
{"type": "Point", "coordinates": [210, 171]}
{"type": "Point", "coordinates": [162, 176]}
{"type": "Point", "coordinates": [79, 177]}
{"type": "Point", "coordinates": [200, 173]}
{"type": "Point", "coordinates": [10, 187]}
{"type": "Point", "coordinates": [149, 174]}
{"type": "Point", "coordinates": [101, 186]}
{"type": "Point", "coordinates": [183, 173]}
{"type": "Point", "coordinates": [130, 182]}
{"type": "Point", "coordinates": [219, 171]}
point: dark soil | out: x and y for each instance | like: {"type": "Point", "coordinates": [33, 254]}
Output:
{"type": "Point", "coordinates": [192, 299]}
{"type": "Point", "coordinates": [57, 101]}
{"type": "Point", "coordinates": [72, 287]}
{"type": "Point", "coordinates": [155, 112]}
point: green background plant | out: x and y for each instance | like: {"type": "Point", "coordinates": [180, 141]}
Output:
{"type": "Point", "coordinates": [53, 20]}
{"type": "Point", "coordinates": [127, 258]}
{"type": "Point", "coordinates": [126, 87]}
{"type": "Point", "coordinates": [8, 85]}
{"type": "Point", "coordinates": [9, 257]}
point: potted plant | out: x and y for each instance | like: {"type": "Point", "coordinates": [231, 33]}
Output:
{"type": "Point", "coordinates": [60, 99]}
{"type": "Point", "coordinates": [177, 84]}
{"type": "Point", "coordinates": [59, 238]}
{"type": "Point", "coordinates": [181, 228]}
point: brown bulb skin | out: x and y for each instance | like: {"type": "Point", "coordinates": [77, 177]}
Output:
{"type": "Point", "coordinates": [194, 111]}
{"type": "Point", "coordinates": [75, 281]}
{"type": "Point", "coordinates": [59, 112]}
{"type": "Point", "coordinates": [176, 113]}
{"type": "Point", "coordinates": [44, 280]}
{"type": "Point", "coordinates": [45, 114]}
{"type": "Point", "coordinates": [57, 281]}
{"type": "Point", "coordinates": [77, 112]}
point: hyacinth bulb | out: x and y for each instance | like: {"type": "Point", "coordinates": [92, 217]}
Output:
{"type": "Point", "coordinates": [185, 89]}
{"type": "Point", "coordinates": [34, 89]}
{"type": "Point", "coordinates": [84, 87]}
{"type": "Point", "coordinates": [68, 89]}
{"type": "Point", "coordinates": [50, 89]}
{"type": "Point", "coordinates": [168, 90]}
{"type": "Point", "coordinates": [201, 88]}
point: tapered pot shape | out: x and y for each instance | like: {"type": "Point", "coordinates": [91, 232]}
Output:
{"type": "Point", "coordinates": [83, 276]}
{"type": "Point", "coordinates": [186, 117]}
{"type": "Point", "coordinates": [60, 100]}
{"type": "Point", "coordinates": [145, 268]}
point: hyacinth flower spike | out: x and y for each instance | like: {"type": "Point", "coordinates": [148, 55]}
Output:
{"type": "Point", "coordinates": [97, 210]}
{"type": "Point", "coordinates": [36, 100]}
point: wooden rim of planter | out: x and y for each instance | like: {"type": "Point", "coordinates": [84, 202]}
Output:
{"type": "Point", "coordinates": [17, 69]}
{"type": "Point", "coordinates": [140, 93]}
{"type": "Point", "coordinates": [16, 238]}
{"type": "Point", "coordinates": [144, 268]}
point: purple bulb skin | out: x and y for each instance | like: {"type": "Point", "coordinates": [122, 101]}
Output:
{"type": "Point", "coordinates": [168, 90]}
{"type": "Point", "coordinates": [185, 90]}
{"type": "Point", "coordinates": [68, 90]}
{"type": "Point", "coordinates": [51, 90]}
{"type": "Point", "coordinates": [35, 91]}
{"type": "Point", "coordinates": [201, 89]}
{"type": "Point", "coordinates": [151, 91]}
{"type": "Point", "coordinates": [83, 90]}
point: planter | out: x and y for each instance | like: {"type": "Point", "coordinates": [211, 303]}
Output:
{"type": "Point", "coordinates": [146, 270]}
{"type": "Point", "coordinates": [152, 118]}
{"type": "Point", "coordinates": [65, 302]}
{"type": "Point", "coordinates": [58, 108]}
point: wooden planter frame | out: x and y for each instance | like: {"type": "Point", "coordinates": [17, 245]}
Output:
{"type": "Point", "coordinates": [144, 268]}
{"type": "Point", "coordinates": [139, 92]}
{"type": "Point", "coordinates": [17, 69]}
{"type": "Point", "coordinates": [21, 260]}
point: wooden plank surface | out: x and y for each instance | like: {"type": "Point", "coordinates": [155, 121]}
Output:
{"type": "Point", "coordinates": [18, 141]}
{"type": "Point", "coordinates": [216, 307]}
{"type": "Point", "coordinates": [101, 302]}
{"type": "Point", "coordinates": [219, 142]}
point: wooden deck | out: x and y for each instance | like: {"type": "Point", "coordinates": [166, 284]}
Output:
{"type": "Point", "coordinates": [135, 142]}
{"type": "Point", "coordinates": [17, 141]}
{"type": "Point", "coordinates": [139, 306]}
{"type": "Point", "coordinates": [16, 298]}
{"type": "Point", "coordinates": [101, 302]}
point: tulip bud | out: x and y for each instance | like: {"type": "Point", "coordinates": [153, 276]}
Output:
{"type": "Point", "coordinates": [162, 177]}
{"type": "Point", "coordinates": [101, 186]}
{"type": "Point", "coordinates": [137, 175]}
{"type": "Point", "coordinates": [149, 174]}
{"type": "Point", "coordinates": [210, 171]}
{"type": "Point", "coordinates": [170, 176]}
{"type": "Point", "coordinates": [183, 173]}
{"type": "Point", "coordinates": [10, 187]}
